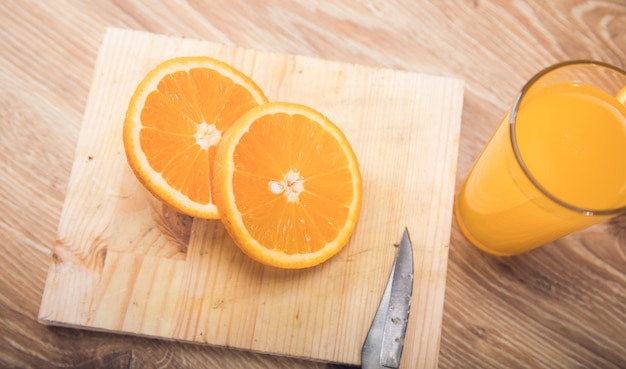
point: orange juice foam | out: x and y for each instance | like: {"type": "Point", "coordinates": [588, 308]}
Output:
{"type": "Point", "coordinates": [572, 139]}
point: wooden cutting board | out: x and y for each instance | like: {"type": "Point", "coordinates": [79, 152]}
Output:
{"type": "Point", "coordinates": [123, 262]}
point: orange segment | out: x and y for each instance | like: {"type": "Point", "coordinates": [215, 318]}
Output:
{"type": "Point", "coordinates": [175, 119]}
{"type": "Point", "coordinates": [287, 185]}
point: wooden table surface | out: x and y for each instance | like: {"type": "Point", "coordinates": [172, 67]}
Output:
{"type": "Point", "coordinates": [560, 306]}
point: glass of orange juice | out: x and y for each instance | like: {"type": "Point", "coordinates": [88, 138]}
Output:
{"type": "Point", "coordinates": [555, 164]}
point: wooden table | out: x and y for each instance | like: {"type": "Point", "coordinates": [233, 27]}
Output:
{"type": "Point", "coordinates": [560, 306]}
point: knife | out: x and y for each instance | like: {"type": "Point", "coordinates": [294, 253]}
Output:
{"type": "Point", "coordinates": [383, 345]}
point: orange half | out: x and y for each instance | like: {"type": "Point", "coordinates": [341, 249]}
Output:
{"type": "Point", "coordinates": [287, 185]}
{"type": "Point", "coordinates": [174, 121]}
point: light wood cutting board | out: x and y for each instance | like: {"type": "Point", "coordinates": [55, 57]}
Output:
{"type": "Point", "coordinates": [123, 262]}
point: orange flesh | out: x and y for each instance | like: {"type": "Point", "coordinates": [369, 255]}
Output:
{"type": "Point", "coordinates": [200, 103]}
{"type": "Point", "coordinates": [313, 182]}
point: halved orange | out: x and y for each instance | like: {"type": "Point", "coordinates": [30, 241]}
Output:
{"type": "Point", "coordinates": [174, 120]}
{"type": "Point", "coordinates": [287, 185]}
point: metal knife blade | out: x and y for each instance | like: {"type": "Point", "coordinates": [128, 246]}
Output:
{"type": "Point", "coordinates": [384, 343]}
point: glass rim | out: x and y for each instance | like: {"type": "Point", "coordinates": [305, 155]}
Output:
{"type": "Point", "coordinates": [512, 122]}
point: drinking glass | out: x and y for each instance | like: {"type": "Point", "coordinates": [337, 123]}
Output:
{"type": "Point", "coordinates": [555, 164]}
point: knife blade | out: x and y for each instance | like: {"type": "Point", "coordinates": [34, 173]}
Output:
{"type": "Point", "coordinates": [385, 340]}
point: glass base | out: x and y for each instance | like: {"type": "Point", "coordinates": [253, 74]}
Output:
{"type": "Point", "coordinates": [468, 235]}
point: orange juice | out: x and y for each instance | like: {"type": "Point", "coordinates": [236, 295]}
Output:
{"type": "Point", "coordinates": [571, 139]}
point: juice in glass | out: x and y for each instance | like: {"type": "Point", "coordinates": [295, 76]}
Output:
{"type": "Point", "coordinates": [556, 164]}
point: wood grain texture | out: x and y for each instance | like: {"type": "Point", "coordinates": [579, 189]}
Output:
{"type": "Point", "coordinates": [561, 306]}
{"type": "Point", "coordinates": [120, 265]}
